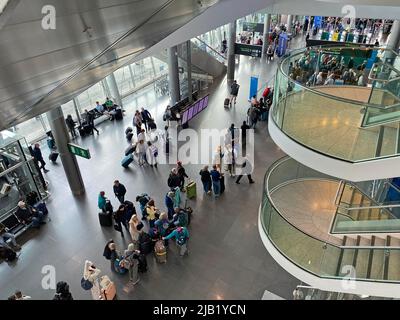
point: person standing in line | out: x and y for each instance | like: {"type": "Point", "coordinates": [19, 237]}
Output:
{"type": "Point", "coordinates": [119, 219]}
{"type": "Point", "coordinates": [91, 273]}
{"type": "Point", "coordinates": [246, 169]}
{"type": "Point", "coordinates": [181, 235]}
{"type": "Point", "coordinates": [169, 203]}
{"type": "Point", "coordinates": [141, 152]}
{"type": "Point", "coordinates": [234, 92]}
{"type": "Point", "coordinates": [146, 116]}
{"type": "Point", "coordinates": [153, 154]}
{"type": "Point", "coordinates": [216, 180]}
{"type": "Point", "coordinates": [38, 157]}
{"type": "Point", "coordinates": [133, 223]}
{"type": "Point", "coordinates": [151, 212]}
{"type": "Point", "coordinates": [173, 179]}
{"type": "Point", "coordinates": [101, 201]}
{"type": "Point", "coordinates": [206, 180]}
{"type": "Point", "coordinates": [71, 126]}
{"type": "Point", "coordinates": [181, 172]}
{"type": "Point", "coordinates": [119, 191]}
{"type": "Point", "coordinates": [131, 263]}
{"type": "Point", "coordinates": [244, 129]}
{"type": "Point", "coordinates": [62, 292]}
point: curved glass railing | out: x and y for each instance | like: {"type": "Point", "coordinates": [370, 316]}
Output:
{"type": "Point", "coordinates": [325, 260]}
{"type": "Point", "coordinates": [328, 118]}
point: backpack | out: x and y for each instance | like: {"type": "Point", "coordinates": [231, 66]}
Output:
{"type": "Point", "coordinates": [86, 284]}
{"type": "Point", "coordinates": [181, 238]}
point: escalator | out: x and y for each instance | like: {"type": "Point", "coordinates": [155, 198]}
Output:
{"type": "Point", "coordinates": [207, 63]}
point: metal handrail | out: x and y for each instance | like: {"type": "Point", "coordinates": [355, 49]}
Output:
{"type": "Point", "coordinates": [208, 46]}
{"type": "Point", "coordinates": [373, 207]}
{"type": "Point", "coordinates": [329, 96]}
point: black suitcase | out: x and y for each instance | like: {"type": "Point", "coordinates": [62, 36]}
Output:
{"type": "Point", "coordinates": [53, 156]}
{"type": "Point", "coordinates": [129, 136]}
{"type": "Point", "coordinates": [145, 243]}
{"type": "Point", "coordinates": [222, 189]}
{"type": "Point", "coordinates": [226, 102]}
{"type": "Point", "coordinates": [82, 132]}
{"type": "Point", "coordinates": [7, 254]}
{"type": "Point", "coordinates": [118, 114]}
{"type": "Point", "coordinates": [152, 125]}
{"type": "Point", "coordinates": [105, 219]}
{"type": "Point", "coordinates": [87, 128]}
{"type": "Point", "coordinates": [130, 150]}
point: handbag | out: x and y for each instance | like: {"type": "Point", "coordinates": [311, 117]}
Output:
{"type": "Point", "coordinates": [86, 284]}
{"type": "Point", "coordinates": [117, 227]}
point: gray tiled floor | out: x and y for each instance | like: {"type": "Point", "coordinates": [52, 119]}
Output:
{"type": "Point", "coordinates": [227, 258]}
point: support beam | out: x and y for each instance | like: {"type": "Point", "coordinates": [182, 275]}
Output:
{"type": "Point", "coordinates": [189, 69]}
{"type": "Point", "coordinates": [112, 84]}
{"type": "Point", "coordinates": [267, 26]}
{"type": "Point", "coordinates": [173, 72]}
{"type": "Point", "coordinates": [289, 23]}
{"type": "Point", "coordinates": [70, 164]}
{"type": "Point", "coordinates": [231, 52]}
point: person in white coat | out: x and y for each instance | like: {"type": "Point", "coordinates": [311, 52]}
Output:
{"type": "Point", "coordinates": [91, 273]}
{"type": "Point", "coordinates": [133, 223]}
{"type": "Point", "coordinates": [230, 158]}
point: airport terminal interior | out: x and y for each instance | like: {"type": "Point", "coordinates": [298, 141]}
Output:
{"type": "Point", "coordinates": [199, 150]}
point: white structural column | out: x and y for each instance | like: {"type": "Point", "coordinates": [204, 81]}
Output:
{"type": "Point", "coordinates": [61, 137]}
{"type": "Point", "coordinates": [267, 25]}
{"type": "Point", "coordinates": [173, 72]}
{"type": "Point", "coordinates": [112, 85]}
{"type": "Point", "coordinates": [289, 23]}
{"type": "Point", "coordinates": [231, 51]}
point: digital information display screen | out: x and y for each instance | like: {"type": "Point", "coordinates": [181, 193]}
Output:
{"type": "Point", "coordinates": [195, 109]}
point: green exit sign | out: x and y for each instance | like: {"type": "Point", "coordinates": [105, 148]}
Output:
{"type": "Point", "coordinates": [79, 151]}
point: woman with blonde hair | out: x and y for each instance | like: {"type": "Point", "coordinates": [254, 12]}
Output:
{"type": "Point", "coordinates": [133, 223]}
{"type": "Point", "coordinates": [91, 274]}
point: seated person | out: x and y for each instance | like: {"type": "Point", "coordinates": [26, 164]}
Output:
{"type": "Point", "coordinates": [29, 216]}
{"type": "Point", "coordinates": [99, 108]}
{"type": "Point", "coordinates": [4, 236]}
{"type": "Point", "coordinates": [109, 104]}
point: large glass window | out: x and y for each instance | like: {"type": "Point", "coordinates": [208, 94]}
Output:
{"type": "Point", "coordinates": [123, 76]}
{"type": "Point", "coordinates": [69, 108]}
{"type": "Point", "coordinates": [88, 98]}
{"type": "Point", "coordinates": [33, 129]}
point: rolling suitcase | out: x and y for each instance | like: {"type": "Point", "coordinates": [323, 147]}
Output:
{"type": "Point", "coordinates": [152, 125]}
{"type": "Point", "coordinates": [127, 161]}
{"type": "Point", "coordinates": [82, 132]}
{"type": "Point", "coordinates": [118, 114]}
{"type": "Point", "coordinates": [226, 103]}
{"type": "Point", "coordinates": [191, 190]}
{"type": "Point", "coordinates": [53, 157]}
{"type": "Point", "coordinates": [131, 149]}
{"type": "Point", "coordinates": [160, 251]}
{"type": "Point", "coordinates": [105, 219]}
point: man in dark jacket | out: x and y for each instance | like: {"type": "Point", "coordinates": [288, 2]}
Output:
{"type": "Point", "coordinates": [119, 191]}
{"type": "Point", "coordinates": [146, 117]}
{"type": "Point", "coordinates": [174, 180]}
{"type": "Point", "coordinates": [28, 216]}
{"type": "Point", "coordinates": [234, 91]}
{"type": "Point", "coordinates": [181, 172]}
{"type": "Point", "coordinates": [37, 156]}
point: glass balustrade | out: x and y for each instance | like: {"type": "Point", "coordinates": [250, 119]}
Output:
{"type": "Point", "coordinates": [325, 260]}
{"type": "Point", "coordinates": [319, 106]}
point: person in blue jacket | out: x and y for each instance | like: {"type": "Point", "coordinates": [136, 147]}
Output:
{"type": "Point", "coordinates": [169, 203]}
{"type": "Point", "coordinates": [181, 235]}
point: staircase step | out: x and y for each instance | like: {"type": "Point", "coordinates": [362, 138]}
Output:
{"type": "Point", "coordinates": [347, 255]}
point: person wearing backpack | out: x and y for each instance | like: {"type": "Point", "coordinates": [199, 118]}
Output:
{"type": "Point", "coordinates": [181, 235]}
{"type": "Point", "coordinates": [90, 280]}
{"type": "Point", "coordinates": [180, 218]}
{"type": "Point", "coordinates": [62, 291]}
{"type": "Point", "coordinates": [143, 199]}
{"type": "Point", "coordinates": [130, 261]}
